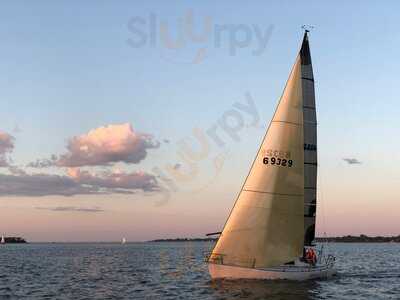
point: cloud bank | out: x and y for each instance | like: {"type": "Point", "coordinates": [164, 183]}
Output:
{"type": "Point", "coordinates": [38, 185]}
{"type": "Point", "coordinates": [102, 146]}
{"type": "Point", "coordinates": [121, 182]}
{"type": "Point", "coordinates": [82, 183]}
{"type": "Point", "coordinates": [95, 209]}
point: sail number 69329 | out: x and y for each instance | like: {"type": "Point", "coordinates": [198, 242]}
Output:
{"type": "Point", "coordinates": [278, 161]}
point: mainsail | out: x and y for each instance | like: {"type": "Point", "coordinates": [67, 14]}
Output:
{"type": "Point", "coordinates": [310, 143]}
{"type": "Point", "coordinates": [274, 214]}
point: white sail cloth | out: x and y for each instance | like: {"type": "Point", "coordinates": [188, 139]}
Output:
{"type": "Point", "coordinates": [266, 225]}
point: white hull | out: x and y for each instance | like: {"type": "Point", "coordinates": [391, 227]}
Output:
{"type": "Point", "coordinates": [289, 273]}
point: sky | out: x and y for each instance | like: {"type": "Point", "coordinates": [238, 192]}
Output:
{"type": "Point", "coordinates": [113, 113]}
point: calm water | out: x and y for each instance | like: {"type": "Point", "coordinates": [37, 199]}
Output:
{"type": "Point", "coordinates": [177, 271]}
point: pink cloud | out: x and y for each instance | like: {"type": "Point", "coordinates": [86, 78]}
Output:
{"type": "Point", "coordinates": [106, 145]}
{"type": "Point", "coordinates": [6, 146]}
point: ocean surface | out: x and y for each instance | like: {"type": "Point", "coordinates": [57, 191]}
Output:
{"type": "Point", "coordinates": [175, 270]}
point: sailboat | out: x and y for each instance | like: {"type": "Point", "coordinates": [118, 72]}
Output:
{"type": "Point", "coordinates": [123, 241]}
{"type": "Point", "coordinates": [3, 240]}
{"type": "Point", "coordinates": [272, 223]}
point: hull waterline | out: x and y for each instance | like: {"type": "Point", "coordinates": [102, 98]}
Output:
{"type": "Point", "coordinates": [218, 271]}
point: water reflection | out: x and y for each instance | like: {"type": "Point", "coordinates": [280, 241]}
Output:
{"type": "Point", "coordinates": [265, 289]}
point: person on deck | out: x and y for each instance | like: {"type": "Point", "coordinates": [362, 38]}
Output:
{"type": "Point", "coordinates": [311, 257]}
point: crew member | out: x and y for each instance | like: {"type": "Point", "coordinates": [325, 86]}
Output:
{"type": "Point", "coordinates": [311, 257]}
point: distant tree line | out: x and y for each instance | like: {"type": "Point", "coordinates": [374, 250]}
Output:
{"type": "Point", "coordinates": [360, 239]}
{"type": "Point", "coordinates": [14, 240]}
{"type": "Point", "coordinates": [340, 239]}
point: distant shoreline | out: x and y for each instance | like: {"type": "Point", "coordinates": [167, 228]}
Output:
{"type": "Point", "coordinates": [342, 239]}
{"type": "Point", "coordinates": [184, 240]}
{"type": "Point", "coordinates": [12, 240]}
{"type": "Point", "coordinates": [339, 239]}
{"type": "Point", "coordinates": [360, 239]}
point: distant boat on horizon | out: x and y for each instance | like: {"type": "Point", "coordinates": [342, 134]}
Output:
{"type": "Point", "coordinates": [123, 241]}
{"type": "Point", "coordinates": [270, 231]}
{"type": "Point", "coordinates": [2, 241]}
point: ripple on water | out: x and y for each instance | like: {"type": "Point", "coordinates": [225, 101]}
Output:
{"type": "Point", "coordinates": [177, 271]}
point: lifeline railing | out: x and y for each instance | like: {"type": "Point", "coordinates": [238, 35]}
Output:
{"type": "Point", "coordinates": [220, 259]}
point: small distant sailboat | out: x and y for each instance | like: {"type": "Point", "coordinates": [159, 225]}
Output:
{"type": "Point", "coordinates": [123, 242]}
{"type": "Point", "coordinates": [3, 240]}
{"type": "Point", "coordinates": [272, 224]}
